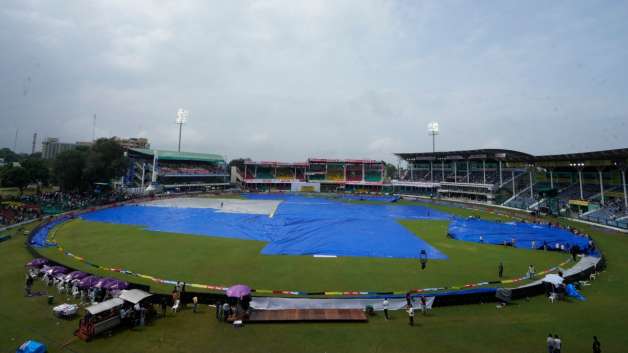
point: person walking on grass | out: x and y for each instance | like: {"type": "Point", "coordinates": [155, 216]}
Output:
{"type": "Point", "coordinates": [385, 306]}
{"type": "Point", "coordinates": [531, 272]}
{"type": "Point", "coordinates": [411, 316]}
{"type": "Point", "coordinates": [194, 304]}
{"type": "Point", "coordinates": [557, 344]}
{"type": "Point", "coordinates": [596, 345]}
{"type": "Point", "coordinates": [500, 269]}
{"type": "Point", "coordinates": [550, 343]}
{"type": "Point", "coordinates": [164, 306]}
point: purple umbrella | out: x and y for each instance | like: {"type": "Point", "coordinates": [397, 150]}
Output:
{"type": "Point", "coordinates": [238, 291]}
{"type": "Point", "coordinates": [75, 275]}
{"type": "Point", "coordinates": [88, 281]}
{"type": "Point", "coordinates": [59, 276]}
{"type": "Point", "coordinates": [116, 285]}
{"type": "Point", "coordinates": [38, 262]}
{"type": "Point", "coordinates": [104, 282]}
{"type": "Point", "coordinates": [58, 269]}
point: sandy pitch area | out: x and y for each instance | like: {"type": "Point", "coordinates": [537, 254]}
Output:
{"type": "Point", "coordinates": [263, 207]}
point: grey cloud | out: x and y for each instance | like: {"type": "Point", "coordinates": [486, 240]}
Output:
{"type": "Point", "coordinates": [288, 80]}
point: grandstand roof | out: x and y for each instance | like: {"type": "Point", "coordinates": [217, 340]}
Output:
{"type": "Point", "coordinates": [179, 156]}
{"type": "Point", "coordinates": [596, 158]}
{"type": "Point", "coordinates": [506, 155]}
{"type": "Point", "coordinates": [324, 160]}
{"type": "Point", "coordinates": [278, 164]}
{"type": "Point", "coordinates": [620, 153]}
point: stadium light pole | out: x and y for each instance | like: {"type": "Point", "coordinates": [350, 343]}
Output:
{"type": "Point", "coordinates": [182, 118]}
{"type": "Point", "coordinates": [433, 130]}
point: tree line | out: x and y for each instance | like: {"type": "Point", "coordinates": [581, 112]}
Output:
{"type": "Point", "coordinates": [80, 169]}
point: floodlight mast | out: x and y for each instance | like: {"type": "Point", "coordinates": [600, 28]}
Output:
{"type": "Point", "coordinates": [433, 130]}
{"type": "Point", "coordinates": [182, 118]}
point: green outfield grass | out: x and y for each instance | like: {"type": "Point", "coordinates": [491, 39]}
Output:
{"type": "Point", "coordinates": [521, 327]}
{"type": "Point", "coordinates": [222, 261]}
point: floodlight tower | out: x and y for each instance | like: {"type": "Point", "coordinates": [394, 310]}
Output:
{"type": "Point", "coordinates": [433, 130]}
{"type": "Point", "coordinates": [182, 118]}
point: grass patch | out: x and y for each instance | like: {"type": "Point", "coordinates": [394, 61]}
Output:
{"type": "Point", "coordinates": [224, 261]}
{"type": "Point", "coordinates": [519, 328]}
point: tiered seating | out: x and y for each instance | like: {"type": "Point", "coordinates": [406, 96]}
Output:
{"type": "Point", "coordinates": [285, 173]}
{"type": "Point", "coordinates": [264, 173]}
{"type": "Point", "coordinates": [573, 192]}
{"type": "Point", "coordinates": [183, 171]}
{"type": "Point", "coordinates": [373, 174]}
{"type": "Point", "coordinates": [335, 175]}
{"type": "Point", "coordinates": [354, 172]}
{"type": "Point", "coordinates": [190, 170]}
{"type": "Point", "coordinates": [335, 172]}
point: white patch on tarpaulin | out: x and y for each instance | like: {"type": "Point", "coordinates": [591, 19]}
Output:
{"type": "Point", "coordinates": [271, 303]}
{"type": "Point", "coordinates": [262, 207]}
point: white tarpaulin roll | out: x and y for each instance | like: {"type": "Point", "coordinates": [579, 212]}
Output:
{"type": "Point", "coordinates": [270, 303]}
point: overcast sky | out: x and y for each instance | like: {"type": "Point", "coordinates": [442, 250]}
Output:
{"type": "Point", "coordinates": [288, 80]}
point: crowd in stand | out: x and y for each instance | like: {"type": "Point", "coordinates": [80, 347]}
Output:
{"type": "Point", "coordinates": [12, 212]}
{"type": "Point", "coordinates": [460, 177]}
{"type": "Point", "coordinates": [19, 209]}
{"type": "Point", "coordinates": [617, 207]}
{"type": "Point", "coordinates": [190, 169]}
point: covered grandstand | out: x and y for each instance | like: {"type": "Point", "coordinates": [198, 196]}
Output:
{"type": "Point", "coordinates": [590, 185]}
{"type": "Point", "coordinates": [171, 170]}
{"type": "Point", "coordinates": [327, 175]}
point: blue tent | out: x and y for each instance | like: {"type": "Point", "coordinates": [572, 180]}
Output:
{"type": "Point", "coordinates": [31, 346]}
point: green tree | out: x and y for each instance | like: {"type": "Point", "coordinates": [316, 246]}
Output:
{"type": "Point", "coordinates": [8, 155]}
{"type": "Point", "coordinates": [38, 171]}
{"type": "Point", "coordinates": [391, 171]}
{"type": "Point", "coordinates": [68, 169]}
{"type": "Point", "coordinates": [105, 161]}
{"type": "Point", "coordinates": [16, 177]}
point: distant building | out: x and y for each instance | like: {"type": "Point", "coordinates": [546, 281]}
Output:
{"type": "Point", "coordinates": [133, 142]}
{"type": "Point", "coordinates": [51, 147]}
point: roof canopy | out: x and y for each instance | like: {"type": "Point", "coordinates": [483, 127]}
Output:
{"type": "Point", "coordinates": [134, 295]}
{"type": "Point", "coordinates": [496, 154]}
{"type": "Point", "coordinates": [616, 157]}
{"type": "Point", "coordinates": [179, 156]}
{"type": "Point", "coordinates": [104, 306]}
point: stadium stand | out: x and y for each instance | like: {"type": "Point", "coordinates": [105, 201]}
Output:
{"type": "Point", "coordinates": [332, 175]}
{"type": "Point", "coordinates": [588, 185]}
{"type": "Point", "coordinates": [16, 209]}
{"type": "Point", "coordinates": [175, 170]}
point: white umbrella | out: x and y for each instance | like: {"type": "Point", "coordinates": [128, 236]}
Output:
{"type": "Point", "coordinates": [553, 279]}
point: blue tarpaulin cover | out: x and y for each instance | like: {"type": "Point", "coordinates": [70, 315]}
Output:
{"type": "Point", "coordinates": [39, 239]}
{"type": "Point", "coordinates": [370, 198]}
{"type": "Point", "coordinates": [31, 346]}
{"type": "Point", "coordinates": [571, 291]}
{"type": "Point", "coordinates": [522, 233]}
{"type": "Point", "coordinates": [300, 226]}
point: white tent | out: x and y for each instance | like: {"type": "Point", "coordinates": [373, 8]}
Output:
{"type": "Point", "coordinates": [134, 295]}
{"type": "Point", "coordinates": [104, 306]}
{"type": "Point", "coordinates": [553, 279]}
